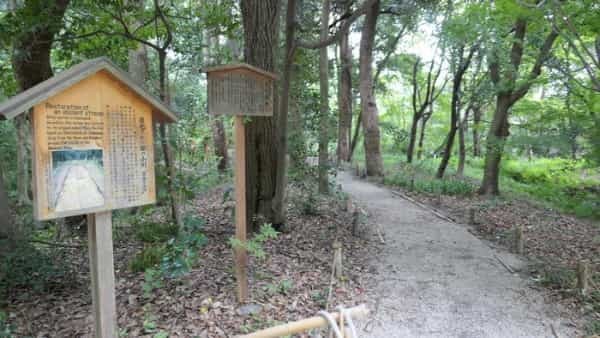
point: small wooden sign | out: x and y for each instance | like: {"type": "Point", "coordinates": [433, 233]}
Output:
{"type": "Point", "coordinates": [240, 89]}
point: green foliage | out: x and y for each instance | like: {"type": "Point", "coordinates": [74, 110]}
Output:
{"type": "Point", "coordinates": [152, 281]}
{"type": "Point", "coordinates": [408, 178]}
{"type": "Point", "coordinates": [182, 251]}
{"type": "Point", "coordinates": [255, 246]}
{"type": "Point", "coordinates": [153, 232]}
{"type": "Point", "coordinates": [283, 287]}
{"type": "Point", "coordinates": [5, 328]}
{"type": "Point", "coordinates": [149, 257]}
{"type": "Point", "coordinates": [558, 278]}
{"type": "Point", "coordinates": [28, 267]}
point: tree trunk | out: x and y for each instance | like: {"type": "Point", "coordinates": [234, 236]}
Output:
{"type": "Point", "coordinates": [454, 111]}
{"type": "Point", "coordinates": [9, 233]}
{"type": "Point", "coordinates": [220, 141]}
{"type": "Point", "coordinates": [282, 135]}
{"type": "Point", "coordinates": [462, 152]}
{"type": "Point", "coordinates": [345, 96]}
{"type": "Point", "coordinates": [260, 21]}
{"type": "Point", "coordinates": [324, 103]}
{"type": "Point", "coordinates": [23, 158]}
{"type": "Point", "coordinates": [476, 127]}
{"type": "Point", "coordinates": [412, 137]}
{"type": "Point", "coordinates": [424, 120]}
{"type": "Point", "coordinates": [370, 115]}
{"type": "Point", "coordinates": [495, 146]}
{"type": "Point", "coordinates": [164, 141]}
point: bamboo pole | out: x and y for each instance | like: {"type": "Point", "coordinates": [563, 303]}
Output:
{"type": "Point", "coordinates": [299, 326]}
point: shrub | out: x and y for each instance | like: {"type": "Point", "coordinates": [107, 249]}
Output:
{"type": "Point", "coordinates": [28, 267]}
{"type": "Point", "coordinates": [149, 257]}
{"type": "Point", "coordinates": [151, 232]}
{"type": "Point", "coordinates": [5, 328]}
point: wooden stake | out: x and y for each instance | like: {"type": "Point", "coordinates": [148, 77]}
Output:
{"type": "Point", "coordinates": [100, 247]}
{"type": "Point", "coordinates": [337, 259]}
{"type": "Point", "coordinates": [582, 277]}
{"type": "Point", "coordinates": [518, 239]}
{"type": "Point", "coordinates": [303, 325]}
{"type": "Point", "coordinates": [472, 216]}
{"type": "Point", "coordinates": [241, 257]}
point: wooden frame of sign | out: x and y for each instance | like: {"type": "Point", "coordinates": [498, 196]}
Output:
{"type": "Point", "coordinates": [93, 152]}
{"type": "Point", "coordinates": [240, 90]}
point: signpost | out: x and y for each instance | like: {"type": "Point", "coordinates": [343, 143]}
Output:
{"type": "Point", "coordinates": [240, 90]}
{"type": "Point", "coordinates": [93, 152]}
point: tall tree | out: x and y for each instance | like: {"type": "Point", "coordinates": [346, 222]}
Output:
{"type": "Point", "coordinates": [421, 100]}
{"type": "Point", "coordinates": [260, 21]}
{"type": "Point", "coordinates": [345, 92]}
{"type": "Point", "coordinates": [370, 114]}
{"type": "Point", "coordinates": [461, 61]}
{"type": "Point", "coordinates": [504, 76]}
{"type": "Point", "coordinates": [324, 102]}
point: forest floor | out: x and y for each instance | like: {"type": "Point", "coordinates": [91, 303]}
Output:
{"type": "Point", "coordinates": [290, 283]}
{"type": "Point", "coordinates": [436, 279]}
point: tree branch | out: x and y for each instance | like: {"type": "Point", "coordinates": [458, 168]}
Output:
{"type": "Point", "coordinates": [346, 25]}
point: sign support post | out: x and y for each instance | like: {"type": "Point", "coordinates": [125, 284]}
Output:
{"type": "Point", "coordinates": [100, 246]}
{"type": "Point", "coordinates": [241, 256]}
{"type": "Point", "coordinates": [240, 90]}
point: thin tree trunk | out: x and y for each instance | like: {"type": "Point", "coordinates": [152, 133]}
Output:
{"type": "Point", "coordinates": [354, 139]}
{"type": "Point", "coordinates": [220, 141]}
{"type": "Point", "coordinates": [324, 103]}
{"type": "Point", "coordinates": [462, 64]}
{"type": "Point", "coordinates": [476, 127]}
{"type": "Point", "coordinates": [23, 158]}
{"type": "Point", "coordinates": [370, 116]}
{"type": "Point", "coordinates": [345, 95]}
{"type": "Point", "coordinates": [165, 144]}
{"type": "Point", "coordinates": [462, 151]}
{"type": "Point", "coordinates": [9, 233]}
{"type": "Point", "coordinates": [260, 21]}
{"type": "Point", "coordinates": [424, 120]}
{"type": "Point", "coordinates": [282, 135]}
{"type": "Point", "coordinates": [412, 137]}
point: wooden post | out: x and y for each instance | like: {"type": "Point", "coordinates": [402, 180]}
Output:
{"type": "Point", "coordinates": [518, 234]}
{"type": "Point", "coordinates": [241, 257]}
{"type": "Point", "coordinates": [582, 277]}
{"type": "Point", "coordinates": [100, 246]}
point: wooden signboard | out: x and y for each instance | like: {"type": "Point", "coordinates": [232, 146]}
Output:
{"type": "Point", "coordinates": [240, 90]}
{"type": "Point", "coordinates": [92, 152]}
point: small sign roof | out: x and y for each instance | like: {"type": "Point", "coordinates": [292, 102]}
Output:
{"type": "Point", "coordinates": [246, 66]}
{"type": "Point", "coordinates": [67, 78]}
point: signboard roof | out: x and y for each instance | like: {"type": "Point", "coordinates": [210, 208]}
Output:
{"type": "Point", "coordinates": [67, 78]}
{"type": "Point", "coordinates": [232, 67]}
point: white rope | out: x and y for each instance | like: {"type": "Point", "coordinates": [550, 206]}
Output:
{"type": "Point", "coordinates": [344, 315]}
{"type": "Point", "coordinates": [332, 324]}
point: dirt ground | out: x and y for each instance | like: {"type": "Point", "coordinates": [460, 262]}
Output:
{"type": "Point", "coordinates": [436, 279]}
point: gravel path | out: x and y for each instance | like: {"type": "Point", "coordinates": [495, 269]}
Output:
{"type": "Point", "coordinates": [435, 279]}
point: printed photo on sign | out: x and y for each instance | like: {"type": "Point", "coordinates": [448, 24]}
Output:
{"type": "Point", "coordinates": [77, 179]}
